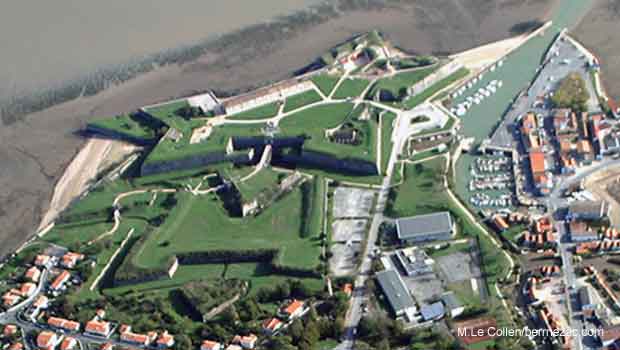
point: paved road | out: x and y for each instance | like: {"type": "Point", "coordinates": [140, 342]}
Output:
{"type": "Point", "coordinates": [359, 297]}
{"type": "Point", "coordinates": [566, 247]}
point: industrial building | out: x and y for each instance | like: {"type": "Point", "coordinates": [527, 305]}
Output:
{"type": "Point", "coordinates": [397, 294]}
{"type": "Point", "coordinates": [425, 228]}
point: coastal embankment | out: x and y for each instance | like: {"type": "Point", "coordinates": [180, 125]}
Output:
{"type": "Point", "coordinates": [35, 149]}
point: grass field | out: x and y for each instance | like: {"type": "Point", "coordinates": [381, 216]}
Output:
{"type": "Point", "coordinates": [168, 114]}
{"type": "Point", "coordinates": [297, 101]}
{"type": "Point", "coordinates": [314, 121]}
{"type": "Point", "coordinates": [395, 84]}
{"type": "Point", "coordinates": [167, 150]}
{"type": "Point", "coordinates": [266, 111]}
{"type": "Point", "coordinates": [413, 101]}
{"type": "Point", "coordinates": [200, 223]}
{"type": "Point", "coordinates": [326, 82]}
{"type": "Point", "coordinates": [263, 180]}
{"type": "Point", "coordinates": [387, 127]}
{"type": "Point", "coordinates": [351, 87]}
{"type": "Point", "coordinates": [125, 124]}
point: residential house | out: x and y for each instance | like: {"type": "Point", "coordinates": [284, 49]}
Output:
{"type": "Point", "coordinates": [68, 343]}
{"type": "Point", "coordinates": [47, 340]}
{"type": "Point", "coordinates": [107, 346]}
{"type": "Point", "coordinates": [210, 345]}
{"type": "Point", "coordinates": [246, 341]}
{"type": "Point", "coordinates": [543, 180]}
{"type": "Point", "coordinates": [26, 289]}
{"type": "Point", "coordinates": [70, 259]}
{"type": "Point", "coordinates": [62, 323]}
{"type": "Point", "coordinates": [272, 325]}
{"type": "Point", "coordinates": [60, 280]}
{"type": "Point", "coordinates": [585, 152]}
{"type": "Point", "coordinates": [16, 346]}
{"type": "Point", "coordinates": [33, 274]}
{"type": "Point", "coordinates": [9, 299]}
{"type": "Point", "coordinates": [165, 340]}
{"type": "Point", "coordinates": [135, 338]}
{"type": "Point", "coordinates": [294, 309]}
{"type": "Point", "coordinates": [42, 260]}
{"type": "Point", "coordinates": [9, 330]}
{"type": "Point", "coordinates": [100, 328]}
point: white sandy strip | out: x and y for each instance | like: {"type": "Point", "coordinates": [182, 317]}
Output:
{"type": "Point", "coordinates": [82, 168]}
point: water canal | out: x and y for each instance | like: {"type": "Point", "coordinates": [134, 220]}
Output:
{"type": "Point", "coordinates": [516, 72]}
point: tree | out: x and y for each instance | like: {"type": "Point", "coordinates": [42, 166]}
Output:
{"type": "Point", "coordinates": [572, 93]}
{"type": "Point", "coordinates": [296, 330]}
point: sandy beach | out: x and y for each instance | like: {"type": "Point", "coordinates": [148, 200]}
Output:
{"type": "Point", "coordinates": [36, 151]}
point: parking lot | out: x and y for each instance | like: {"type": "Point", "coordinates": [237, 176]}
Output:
{"type": "Point", "coordinates": [344, 230]}
{"type": "Point", "coordinates": [352, 202]}
{"type": "Point", "coordinates": [344, 258]}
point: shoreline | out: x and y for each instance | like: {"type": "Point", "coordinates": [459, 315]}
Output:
{"type": "Point", "coordinates": [46, 136]}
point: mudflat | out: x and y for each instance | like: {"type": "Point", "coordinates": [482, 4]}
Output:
{"type": "Point", "coordinates": [598, 31]}
{"type": "Point", "coordinates": [35, 150]}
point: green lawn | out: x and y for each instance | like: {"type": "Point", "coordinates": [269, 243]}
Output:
{"type": "Point", "coordinates": [127, 125]}
{"type": "Point", "coordinates": [265, 179]}
{"type": "Point", "coordinates": [514, 232]}
{"type": "Point", "coordinates": [266, 111]}
{"type": "Point", "coordinates": [167, 113]}
{"type": "Point", "coordinates": [185, 273]}
{"type": "Point", "coordinates": [422, 191]}
{"type": "Point", "coordinates": [465, 294]}
{"type": "Point", "coordinates": [413, 101]}
{"type": "Point", "coordinates": [314, 121]}
{"type": "Point", "coordinates": [201, 223]}
{"type": "Point", "coordinates": [168, 150]}
{"type": "Point", "coordinates": [452, 248]}
{"type": "Point", "coordinates": [387, 127]}
{"type": "Point", "coordinates": [300, 100]}
{"type": "Point", "coordinates": [351, 87]}
{"type": "Point", "coordinates": [400, 81]}
{"type": "Point", "coordinates": [326, 82]}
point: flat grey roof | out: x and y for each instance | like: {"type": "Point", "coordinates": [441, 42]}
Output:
{"type": "Point", "coordinates": [432, 311]}
{"type": "Point", "coordinates": [424, 225]}
{"type": "Point", "coordinates": [395, 290]}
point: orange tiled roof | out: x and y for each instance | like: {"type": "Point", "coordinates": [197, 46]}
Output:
{"type": "Point", "coordinates": [293, 307]}
{"type": "Point", "coordinates": [68, 343]}
{"type": "Point", "coordinates": [98, 327]}
{"type": "Point", "coordinates": [537, 161]}
{"type": "Point", "coordinates": [210, 345]}
{"type": "Point", "coordinates": [61, 279]}
{"type": "Point", "coordinates": [46, 339]}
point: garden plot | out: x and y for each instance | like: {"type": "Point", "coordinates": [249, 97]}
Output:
{"type": "Point", "coordinates": [349, 230]}
{"type": "Point", "coordinates": [351, 202]}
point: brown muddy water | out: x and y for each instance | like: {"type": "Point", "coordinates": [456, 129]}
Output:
{"type": "Point", "coordinates": [44, 42]}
